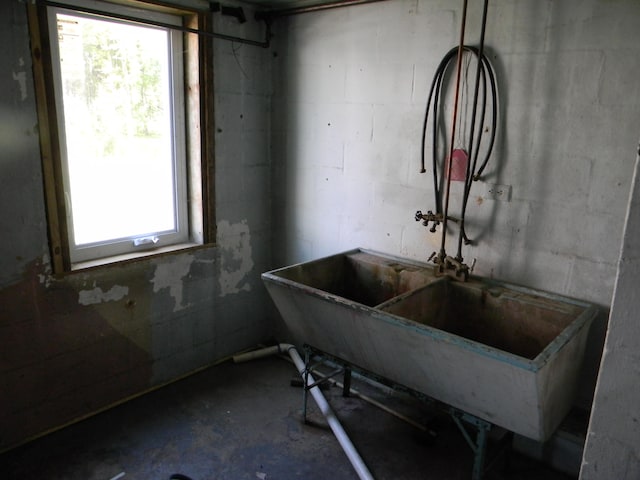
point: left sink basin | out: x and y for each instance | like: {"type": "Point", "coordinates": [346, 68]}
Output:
{"type": "Point", "coordinates": [368, 278]}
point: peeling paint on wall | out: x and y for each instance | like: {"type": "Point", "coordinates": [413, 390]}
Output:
{"type": "Point", "coordinates": [236, 259]}
{"type": "Point", "coordinates": [21, 78]}
{"type": "Point", "coordinates": [45, 276]}
{"type": "Point", "coordinates": [97, 295]}
{"type": "Point", "coordinates": [169, 274]}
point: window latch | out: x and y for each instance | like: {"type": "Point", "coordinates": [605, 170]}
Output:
{"type": "Point", "coordinates": [145, 241]}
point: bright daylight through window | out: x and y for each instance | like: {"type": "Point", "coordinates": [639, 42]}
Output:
{"type": "Point", "coordinates": [119, 102]}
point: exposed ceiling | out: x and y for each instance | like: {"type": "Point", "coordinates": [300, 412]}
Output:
{"type": "Point", "coordinates": [292, 7]}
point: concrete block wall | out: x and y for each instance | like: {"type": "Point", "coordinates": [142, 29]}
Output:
{"type": "Point", "coordinates": [350, 91]}
{"type": "Point", "coordinates": [71, 345]}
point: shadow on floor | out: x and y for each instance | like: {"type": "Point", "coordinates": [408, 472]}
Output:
{"type": "Point", "coordinates": [234, 422]}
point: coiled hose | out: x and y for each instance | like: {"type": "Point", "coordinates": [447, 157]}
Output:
{"type": "Point", "coordinates": [488, 78]}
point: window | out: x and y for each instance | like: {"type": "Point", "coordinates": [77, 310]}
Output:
{"type": "Point", "coordinates": [125, 147]}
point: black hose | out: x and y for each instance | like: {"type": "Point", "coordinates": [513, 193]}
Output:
{"type": "Point", "coordinates": [468, 174]}
{"type": "Point", "coordinates": [487, 77]}
{"type": "Point", "coordinates": [494, 111]}
{"type": "Point", "coordinates": [435, 88]}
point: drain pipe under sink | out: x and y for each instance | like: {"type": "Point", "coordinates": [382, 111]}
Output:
{"type": "Point", "coordinates": [351, 452]}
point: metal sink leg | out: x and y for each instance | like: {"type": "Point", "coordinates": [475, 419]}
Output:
{"type": "Point", "coordinates": [479, 445]}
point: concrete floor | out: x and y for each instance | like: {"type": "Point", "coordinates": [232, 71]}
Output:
{"type": "Point", "coordinates": [244, 422]}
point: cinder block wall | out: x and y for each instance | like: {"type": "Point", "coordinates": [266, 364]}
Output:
{"type": "Point", "coordinates": [350, 92]}
{"type": "Point", "coordinates": [72, 345]}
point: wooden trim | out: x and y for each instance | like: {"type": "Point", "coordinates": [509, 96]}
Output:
{"type": "Point", "coordinates": [49, 140]}
{"type": "Point", "coordinates": [199, 105]}
{"type": "Point", "coordinates": [193, 136]}
{"type": "Point", "coordinates": [207, 129]}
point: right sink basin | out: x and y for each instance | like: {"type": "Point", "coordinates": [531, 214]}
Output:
{"type": "Point", "coordinates": [513, 321]}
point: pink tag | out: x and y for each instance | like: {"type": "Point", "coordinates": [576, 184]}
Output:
{"type": "Point", "coordinates": [459, 162]}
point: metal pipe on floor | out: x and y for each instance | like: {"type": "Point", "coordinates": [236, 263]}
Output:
{"type": "Point", "coordinates": [351, 452]}
{"type": "Point", "coordinates": [286, 12]}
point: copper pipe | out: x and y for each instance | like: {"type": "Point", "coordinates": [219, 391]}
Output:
{"type": "Point", "coordinates": [471, 166]}
{"type": "Point", "coordinates": [453, 128]}
{"type": "Point", "coordinates": [130, 18]}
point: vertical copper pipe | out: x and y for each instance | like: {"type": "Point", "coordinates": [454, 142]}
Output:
{"type": "Point", "coordinates": [453, 128]}
{"type": "Point", "coordinates": [471, 166]}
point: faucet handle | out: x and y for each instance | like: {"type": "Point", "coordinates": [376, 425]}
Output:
{"type": "Point", "coordinates": [428, 217]}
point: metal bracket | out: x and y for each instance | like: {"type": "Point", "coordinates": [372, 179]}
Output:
{"type": "Point", "coordinates": [237, 12]}
{"type": "Point", "coordinates": [321, 378]}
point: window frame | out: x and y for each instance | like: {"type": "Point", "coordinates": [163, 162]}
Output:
{"type": "Point", "coordinates": [197, 106]}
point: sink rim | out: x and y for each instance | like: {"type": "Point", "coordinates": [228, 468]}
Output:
{"type": "Point", "coordinates": [583, 320]}
{"type": "Point", "coordinates": [273, 275]}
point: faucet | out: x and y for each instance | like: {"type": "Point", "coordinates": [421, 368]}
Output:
{"type": "Point", "coordinates": [445, 264]}
{"type": "Point", "coordinates": [453, 267]}
{"type": "Point", "coordinates": [436, 218]}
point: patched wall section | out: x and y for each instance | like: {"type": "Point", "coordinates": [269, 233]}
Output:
{"type": "Point", "coordinates": [73, 344]}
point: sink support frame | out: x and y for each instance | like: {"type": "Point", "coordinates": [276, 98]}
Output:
{"type": "Point", "coordinates": [479, 445]}
{"type": "Point", "coordinates": [460, 418]}
{"type": "Point", "coordinates": [345, 370]}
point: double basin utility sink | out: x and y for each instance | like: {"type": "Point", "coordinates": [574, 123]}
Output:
{"type": "Point", "coordinates": [503, 353]}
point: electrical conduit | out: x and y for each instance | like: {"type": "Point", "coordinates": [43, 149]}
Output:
{"type": "Point", "coordinates": [351, 452]}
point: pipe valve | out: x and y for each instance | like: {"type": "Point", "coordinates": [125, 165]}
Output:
{"type": "Point", "coordinates": [428, 217]}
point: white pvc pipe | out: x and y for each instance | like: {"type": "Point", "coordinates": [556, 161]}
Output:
{"type": "Point", "coordinates": [351, 452]}
{"type": "Point", "coordinates": [255, 354]}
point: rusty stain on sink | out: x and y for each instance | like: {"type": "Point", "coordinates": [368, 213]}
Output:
{"type": "Point", "coordinates": [517, 323]}
{"type": "Point", "coordinates": [361, 277]}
